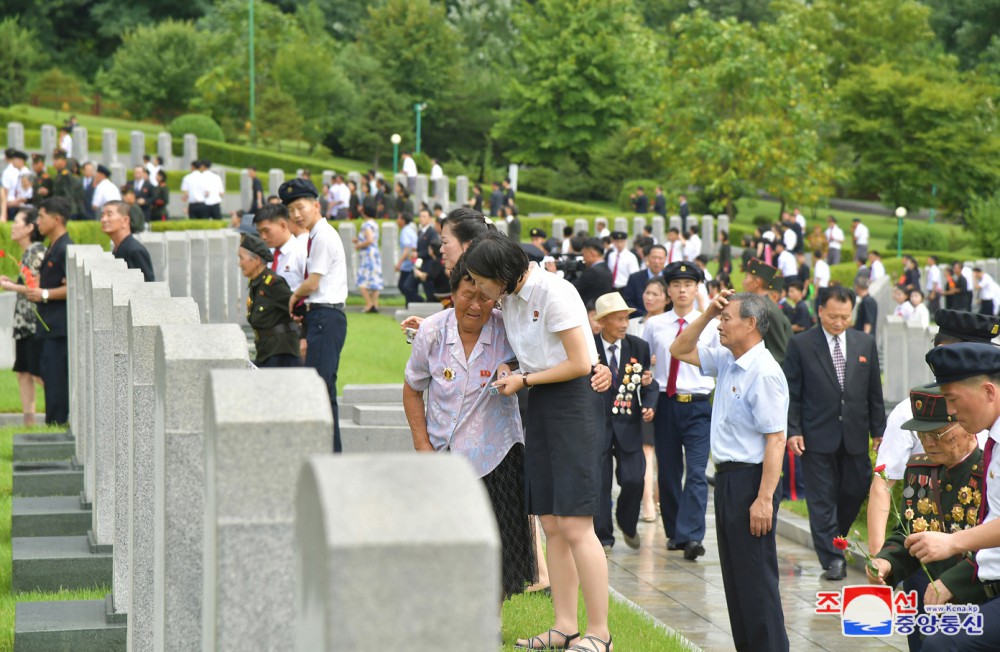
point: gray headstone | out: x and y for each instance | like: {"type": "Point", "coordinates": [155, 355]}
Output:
{"type": "Point", "coordinates": [675, 222]}
{"type": "Point", "coordinates": [220, 172]}
{"type": "Point", "coordinates": [156, 245]}
{"type": "Point", "coordinates": [252, 461]}
{"type": "Point", "coordinates": [897, 383]}
{"type": "Point", "coordinates": [199, 274]}
{"type": "Point", "coordinates": [659, 232]}
{"type": "Point", "coordinates": [918, 343]}
{"type": "Point", "coordinates": [81, 147]}
{"type": "Point", "coordinates": [348, 232]}
{"type": "Point", "coordinates": [236, 286]}
{"type": "Point", "coordinates": [118, 174]}
{"type": "Point", "coordinates": [328, 177]}
{"type": "Point", "coordinates": [638, 224]}
{"type": "Point", "coordinates": [421, 193]}
{"type": "Point", "coordinates": [165, 149]}
{"type": "Point", "coordinates": [436, 534]}
{"type": "Point", "coordinates": [138, 147]}
{"type": "Point", "coordinates": [15, 135]}
{"type": "Point", "coordinates": [707, 235]}
{"type": "Point", "coordinates": [402, 180]}
{"type": "Point", "coordinates": [50, 141]}
{"type": "Point", "coordinates": [101, 456]}
{"type": "Point", "coordinates": [246, 190]}
{"type": "Point", "coordinates": [178, 263]}
{"type": "Point", "coordinates": [597, 225]}
{"type": "Point", "coordinates": [190, 150]}
{"type": "Point", "coordinates": [501, 225]}
{"type": "Point", "coordinates": [356, 178]}
{"type": "Point", "coordinates": [461, 190]}
{"type": "Point", "coordinates": [184, 356]}
{"type": "Point", "coordinates": [441, 192]}
{"type": "Point", "coordinates": [558, 224]}
{"type": "Point", "coordinates": [218, 278]}
{"type": "Point", "coordinates": [389, 250]}
{"type": "Point", "coordinates": [992, 267]}
{"type": "Point", "coordinates": [581, 224]}
{"type": "Point", "coordinates": [512, 175]}
{"type": "Point", "coordinates": [121, 294]}
{"type": "Point", "coordinates": [723, 225]}
{"type": "Point", "coordinates": [621, 224]}
{"type": "Point", "coordinates": [275, 178]}
{"type": "Point", "coordinates": [75, 333]}
{"type": "Point", "coordinates": [109, 147]}
{"type": "Point", "coordinates": [145, 316]}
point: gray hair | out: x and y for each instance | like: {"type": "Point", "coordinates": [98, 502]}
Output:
{"type": "Point", "coordinates": [755, 306]}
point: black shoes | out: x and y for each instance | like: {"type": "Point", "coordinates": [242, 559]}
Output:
{"type": "Point", "coordinates": [674, 545]}
{"type": "Point", "coordinates": [693, 550]}
{"type": "Point", "coordinates": [836, 571]}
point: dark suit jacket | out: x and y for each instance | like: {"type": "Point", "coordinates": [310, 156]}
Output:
{"type": "Point", "coordinates": [147, 193]}
{"type": "Point", "coordinates": [514, 230]}
{"type": "Point", "coordinates": [660, 205]}
{"type": "Point", "coordinates": [632, 292]}
{"type": "Point", "coordinates": [593, 281]}
{"type": "Point", "coordinates": [818, 409]}
{"type": "Point", "coordinates": [424, 240]}
{"type": "Point", "coordinates": [627, 428]}
{"type": "Point", "coordinates": [88, 198]}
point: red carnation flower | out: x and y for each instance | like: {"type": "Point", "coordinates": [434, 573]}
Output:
{"type": "Point", "coordinates": [880, 468]}
{"type": "Point", "coordinates": [840, 543]}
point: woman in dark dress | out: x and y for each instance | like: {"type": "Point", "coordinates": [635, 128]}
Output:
{"type": "Point", "coordinates": [161, 198]}
{"type": "Point", "coordinates": [725, 253]}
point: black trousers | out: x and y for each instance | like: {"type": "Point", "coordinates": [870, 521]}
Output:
{"type": "Point", "coordinates": [749, 564]}
{"type": "Point", "coordinates": [326, 330]}
{"type": "Point", "coordinates": [838, 485]}
{"type": "Point", "coordinates": [631, 474]}
{"type": "Point", "coordinates": [986, 307]}
{"type": "Point", "coordinates": [55, 374]}
{"type": "Point", "coordinates": [410, 287]}
{"type": "Point", "coordinates": [988, 641]}
{"type": "Point", "coordinates": [682, 447]}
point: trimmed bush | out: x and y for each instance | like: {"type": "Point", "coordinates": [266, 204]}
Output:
{"type": "Point", "coordinates": [202, 126]}
{"type": "Point", "coordinates": [920, 236]}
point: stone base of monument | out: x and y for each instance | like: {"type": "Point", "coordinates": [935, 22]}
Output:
{"type": "Point", "coordinates": [113, 617]}
{"type": "Point", "coordinates": [80, 625]}
{"type": "Point", "coordinates": [419, 310]}
{"type": "Point", "coordinates": [52, 563]}
{"type": "Point", "coordinates": [43, 446]}
{"type": "Point", "coordinates": [51, 478]}
{"type": "Point", "coordinates": [372, 420]}
{"type": "Point", "coordinates": [49, 516]}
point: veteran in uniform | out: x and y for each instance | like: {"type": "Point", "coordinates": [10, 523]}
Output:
{"type": "Point", "coordinates": [275, 334]}
{"type": "Point", "coordinates": [66, 184]}
{"type": "Point", "coordinates": [42, 186]}
{"type": "Point", "coordinates": [761, 279]}
{"type": "Point", "coordinates": [942, 491]}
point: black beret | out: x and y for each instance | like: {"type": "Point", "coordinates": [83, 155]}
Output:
{"type": "Point", "coordinates": [930, 411]}
{"type": "Point", "coordinates": [103, 170]}
{"type": "Point", "coordinates": [682, 270]}
{"type": "Point", "coordinates": [771, 276]}
{"type": "Point", "coordinates": [297, 189]}
{"type": "Point", "coordinates": [37, 158]}
{"type": "Point", "coordinates": [619, 235]}
{"type": "Point", "coordinates": [967, 326]}
{"type": "Point", "coordinates": [255, 245]}
{"type": "Point", "coordinates": [956, 362]}
{"type": "Point", "coordinates": [539, 233]}
{"type": "Point", "coordinates": [16, 153]}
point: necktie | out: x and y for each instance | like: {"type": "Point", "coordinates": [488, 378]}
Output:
{"type": "Point", "coordinates": [984, 505]}
{"type": "Point", "coordinates": [613, 363]}
{"type": "Point", "coordinates": [675, 365]}
{"type": "Point", "coordinates": [614, 273]}
{"type": "Point", "coordinates": [839, 364]}
{"type": "Point", "coordinates": [274, 263]}
{"type": "Point", "coordinates": [670, 254]}
{"type": "Point", "coordinates": [309, 246]}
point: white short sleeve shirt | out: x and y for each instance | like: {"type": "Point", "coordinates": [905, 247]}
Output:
{"type": "Point", "coordinates": [326, 257]}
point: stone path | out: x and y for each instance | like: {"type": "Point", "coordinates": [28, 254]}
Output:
{"type": "Point", "coordinates": [688, 596]}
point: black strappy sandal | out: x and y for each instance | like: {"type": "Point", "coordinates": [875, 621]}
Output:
{"type": "Point", "coordinates": [548, 645]}
{"type": "Point", "coordinates": [592, 640]}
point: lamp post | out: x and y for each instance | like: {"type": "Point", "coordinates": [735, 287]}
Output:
{"type": "Point", "coordinates": [418, 108]}
{"type": "Point", "coordinates": [253, 92]}
{"type": "Point", "coordinates": [900, 214]}
{"type": "Point", "coordinates": [395, 138]}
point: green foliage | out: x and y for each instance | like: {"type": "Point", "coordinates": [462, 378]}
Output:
{"type": "Point", "coordinates": [614, 161]}
{"type": "Point", "coordinates": [629, 188]}
{"type": "Point", "coordinates": [202, 126]}
{"type": "Point", "coordinates": [967, 29]}
{"type": "Point", "coordinates": [912, 131]}
{"type": "Point", "coordinates": [983, 218]}
{"type": "Point", "coordinates": [579, 68]}
{"type": "Point", "coordinates": [161, 85]}
{"type": "Point", "coordinates": [920, 236]}
{"type": "Point", "coordinates": [56, 89]}
{"type": "Point", "coordinates": [529, 203]}
{"type": "Point", "coordinates": [278, 118]}
{"type": "Point", "coordinates": [20, 58]}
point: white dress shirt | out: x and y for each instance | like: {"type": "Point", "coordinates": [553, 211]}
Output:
{"type": "Point", "coordinates": [675, 251]}
{"type": "Point", "coordinates": [920, 316]}
{"type": "Point", "coordinates": [877, 270]}
{"type": "Point", "coordinates": [790, 238]}
{"type": "Point", "coordinates": [194, 185]}
{"type": "Point", "coordinates": [104, 192]}
{"type": "Point", "coordinates": [970, 280]}
{"type": "Point", "coordinates": [66, 144]}
{"type": "Point", "coordinates": [214, 190]}
{"type": "Point", "coordinates": [821, 273]}
{"type": "Point", "coordinates": [11, 178]}
{"type": "Point", "coordinates": [989, 558]}
{"type": "Point", "coordinates": [622, 265]}
{"type": "Point", "coordinates": [290, 262]}
{"type": "Point", "coordinates": [410, 167]}
{"type": "Point", "coordinates": [326, 257]}
{"type": "Point", "coordinates": [692, 248]}
{"type": "Point", "coordinates": [534, 316]}
{"type": "Point", "coordinates": [932, 282]}
{"type": "Point", "coordinates": [787, 264]}
{"type": "Point", "coordinates": [988, 290]}
{"type": "Point", "coordinates": [903, 310]}
{"type": "Point", "coordinates": [436, 172]}
{"type": "Point", "coordinates": [861, 235]}
{"type": "Point", "coordinates": [660, 333]}
{"type": "Point", "coordinates": [834, 236]}
{"type": "Point", "coordinates": [151, 170]}
{"type": "Point", "coordinates": [800, 219]}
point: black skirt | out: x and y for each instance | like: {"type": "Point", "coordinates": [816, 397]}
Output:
{"type": "Point", "coordinates": [28, 356]}
{"type": "Point", "coordinates": [562, 449]}
{"type": "Point", "coordinates": [505, 486]}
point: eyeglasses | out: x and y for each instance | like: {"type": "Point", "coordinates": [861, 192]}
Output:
{"type": "Point", "coordinates": [937, 437]}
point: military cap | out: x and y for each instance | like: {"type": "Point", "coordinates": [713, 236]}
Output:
{"type": "Point", "coordinates": [619, 235]}
{"type": "Point", "coordinates": [255, 245]}
{"type": "Point", "coordinates": [930, 411]}
{"type": "Point", "coordinates": [964, 360]}
{"type": "Point", "coordinates": [297, 189]}
{"type": "Point", "coordinates": [538, 233]}
{"type": "Point", "coordinates": [103, 170]}
{"type": "Point", "coordinates": [16, 153]}
{"type": "Point", "coordinates": [37, 158]}
{"type": "Point", "coordinates": [682, 270]}
{"type": "Point", "coordinates": [967, 326]}
{"type": "Point", "coordinates": [771, 276]}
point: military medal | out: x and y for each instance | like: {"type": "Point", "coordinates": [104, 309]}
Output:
{"type": "Point", "coordinates": [449, 373]}
{"type": "Point", "coordinates": [908, 492]}
{"type": "Point", "coordinates": [922, 491]}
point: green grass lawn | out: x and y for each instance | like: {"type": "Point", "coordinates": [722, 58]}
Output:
{"type": "Point", "coordinates": [10, 396]}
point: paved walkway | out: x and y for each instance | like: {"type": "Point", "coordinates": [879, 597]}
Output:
{"type": "Point", "coordinates": [688, 596]}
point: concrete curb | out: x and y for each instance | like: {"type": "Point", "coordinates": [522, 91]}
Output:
{"type": "Point", "coordinates": [796, 528]}
{"type": "Point", "coordinates": [656, 622]}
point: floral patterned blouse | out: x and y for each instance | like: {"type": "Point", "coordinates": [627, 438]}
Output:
{"type": "Point", "coordinates": [24, 313]}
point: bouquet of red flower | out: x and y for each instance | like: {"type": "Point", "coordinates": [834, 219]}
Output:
{"type": "Point", "coordinates": [30, 281]}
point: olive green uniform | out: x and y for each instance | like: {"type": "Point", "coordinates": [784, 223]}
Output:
{"type": "Point", "coordinates": [939, 499]}
{"type": "Point", "coordinates": [779, 331]}
{"type": "Point", "coordinates": [42, 180]}
{"type": "Point", "coordinates": [68, 185]}
{"type": "Point", "coordinates": [267, 314]}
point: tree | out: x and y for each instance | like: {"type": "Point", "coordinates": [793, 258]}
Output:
{"type": "Point", "coordinates": [577, 78]}
{"type": "Point", "coordinates": [55, 89]}
{"type": "Point", "coordinates": [967, 28]}
{"type": "Point", "coordinates": [20, 59]}
{"type": "Point", "coordinates": [375, 110]}
{"type": "Point", "coordinates": [911, 132]}
{"type": "Point", "coordinates": [278, 118]}
{"type": "Point", "coordinates": [740, 109]}
{"type": "Point", "coordinates": [160, 86]}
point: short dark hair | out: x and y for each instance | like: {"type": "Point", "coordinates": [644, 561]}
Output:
{"type": "Point", "coordinates": [270, 213]}
{"type": "Point", "coordinates": [593, 243]}
{"type": "Point", "coordinates": [495, 256]}
{"type": "Point", "coordinates": [657, 280]}
{"type": "Point", "coordinates": [58, 206]}
{"type": "Point", "coordinates": [30, 219]}
{"type": "Point", "coordinates": [467, 224]}
{"type": "Point", "coordinates": [836, 292]}
{"type": "Point", "coordinates": [567, 232]}
{"type": "Point", "coordinates": [794, 284]}
{"type": "Point", "coordinates": [674, 229]}
{"type": "Point", "coordinates": [657, 246]}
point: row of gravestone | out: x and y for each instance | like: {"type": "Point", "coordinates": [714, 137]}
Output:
{"type": "Point", "coordinates": [227, 525]}
{"type": "Point", "coordinates": [109, 146]}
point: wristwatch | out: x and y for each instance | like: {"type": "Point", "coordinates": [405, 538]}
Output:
{"type": "Point", "coordinates": [45, 296]}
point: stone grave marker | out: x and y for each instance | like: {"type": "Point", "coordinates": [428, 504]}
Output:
{"type": "Point", "coordinates": [190, 150]}
{"type": "Point", "coordinates": [275, 177]}
{"type": "Point", "coordinates": [165, 149]}
{"type": "Point", "coordinates": [461, 190]}
{"type": "Point", "coordinates": [15, 135]}
{"type": "Point", "coordinates": [81, 148]}
{"type": "Point", "coordinates": [109, 147]}
{"type": "Point", "coordinates": [50, 141]}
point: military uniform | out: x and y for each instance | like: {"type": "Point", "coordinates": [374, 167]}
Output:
{"type": "Point", "coordinates": [275, 334]}
{"type": "Point", "coordinates": [779, 329]}
{"type": "Point", "coordinates": [41, 181]}
{"type": "Point", "coordinates": [66, 184]}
